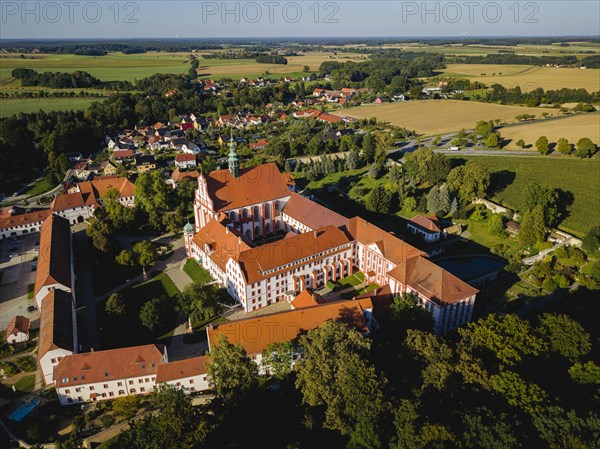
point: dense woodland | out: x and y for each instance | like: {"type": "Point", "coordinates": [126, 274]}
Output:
{"type": "Point", "coordinates": [77, 79]}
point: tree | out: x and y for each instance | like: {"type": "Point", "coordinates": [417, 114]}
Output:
{"type": "Point", "coordinates": [564, 336]}
{"type": "Point", "coordinates": [353, 159]}
{"type": "Point", "coordinates": [585, 373]}
{"type": "Point", "coordinates": [519, 393]}
{"type": "Point", "coordinates": [101, 234]}
{"type": "Point", "coordinates": [453, 206]}
{"type": "Point", "coordinates": [175, 424]}
{"type": "Point", "coordinates": [533, 229]}
{"type": "Point", "coordinates": [485, 430]}
{"type": "Point", "coordinates": [277, 359]}
{"type": "Point", "coordinates": [542, 145]}
{"type": "Point", "coordinates": [334, 376]}
{"type": "Point", "coordinates": [521, 143]}
{"type": "Point", "coordinates": [146, 254]}
{"type": "Point", "coordinates": [470, 181]}
{"type": "Point", "coordinates": [374, 171]}
{"type": "Point", "coordinates": [126, 406]}
{"type": "Point", "coordinates": [406, 312]}
{"type": "Point", "coordinates": [508, 337]}
{"type": "Point", "coordinates": [563, 146]}
{"type": "Point", "coordinates": [230, 370]}
{"type": "Point", "coordinates": [536, 194]}
{"type": "Point", "coordinates": [379, 200]}
{"type": "Point", "coordinates": [410, 204]}
{"type": "Point", "coordinates": [484, 128]}
{"type": "Point", "coordinates": [493, 140]}
{"type": "Point", "coordinates": [368, 148]}
{"type": "Point", "coordinates": [496, 224]}
{"type": "Point", "coordinates": [585, 148]}
{"type": "Point", "coordinates": [115, 305]}
{"type": "Point", "coordinates": [152, 313]}
{"type": "Point", "coordinates": [126, 258]}
{"type": "Point", "coordinates": [591, 241]}
{"type": "Point", "coordinates": [199, 302]}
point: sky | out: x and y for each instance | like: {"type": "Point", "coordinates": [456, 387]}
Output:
{"type": "Point", "coordinates": [300, 18]}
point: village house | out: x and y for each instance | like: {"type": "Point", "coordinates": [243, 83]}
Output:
{"type": "Point", "coordinates": [18, 330]}
{"type": "Point", "coordinates": [123, 156]}
{"type": "Point", "coordinates": [145, 163]}
{"type": "Point", "coordinates": [185, 161]}
{"type": "Point", "coordinates": [427, 228]}
{"type": "Point", "coordinates": [189, 375]}
{"type": "Point", "coordinates": [177, 176]}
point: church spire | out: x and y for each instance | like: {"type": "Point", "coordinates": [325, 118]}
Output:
{"type": "Point", "coordinates": [234, 162]}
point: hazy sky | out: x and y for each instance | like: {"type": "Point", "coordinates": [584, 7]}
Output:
{"type": "Point", "coordinates": [206, 19]}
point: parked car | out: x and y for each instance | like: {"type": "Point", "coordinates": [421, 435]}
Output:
{"type": "Point", "coordinates": [31, 308]}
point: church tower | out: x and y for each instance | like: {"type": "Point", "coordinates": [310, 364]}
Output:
{"type": "Point", "coordinates": [234, 162]}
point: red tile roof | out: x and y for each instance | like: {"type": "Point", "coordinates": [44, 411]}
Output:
{"type": "Point", "coordinates": [181, 369]}
{"type": "Point", "coordinates": [255, 334]}
{"type": "Point", "coordinates": [274, 256]}
{"type": "Point", "coordinates": [329, 118]}
{"type": "Point", "coordinates": [312, 214]}
{"type": "Point", "coordinates": [123, 154]}
{"type": "Point", "coordinates": [178, 175]}
{"type": "Point", "coordinates": [224, 243]}
{"type": "Point", "coordinates": [307, 299]}
{"type": "Point", "coordinates": [427, 224]}
{"type": "Point", "coordinates": [185, 157]}
{"type": "Point", "coordinates": [68, 201]}
{"type": "Point", "coordinates": [56, 323]}
{"type": "Point", "coordinates": [54, 259]}
{"type": "Point", "coordinates": [112, 364]}
{"type": "Point", "coordinates": [255, 185]}
{"type": "Point", "coordinates": [11, 221]}
{"type": "Point", "coordinates": [18, 324]}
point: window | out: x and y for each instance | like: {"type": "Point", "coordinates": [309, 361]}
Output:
{"type": "Point", "coordinates": [105, 386]}
{"type": "Point", "coordinates": [92, 388]}
{"type": "Point", "coordinates": [131, 382]}
{"type": "Point", "coordinates": [67, 391]}
{"type": "Point", "coordinates": [110, 394]}
{"type": "Point", "coordinates": [119, 384]}
{"type": "Point", "coordinates": [142, 389]}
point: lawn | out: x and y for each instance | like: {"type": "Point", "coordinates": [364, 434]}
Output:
{"type": "Point", "coordinates": [432, 117]}
{"type": "Point", "coordinates": [577, 179]}
{"type": "Point", "coordinates": [116, 332]}
{"type": "Point", "coordinates": [10, 106]}
{"type": "Point", "coordinates": [42, 185]}
{"type": "Point", "coordinates": [196, 272]}
{"type": "Point", "coordinates": [23, 386]}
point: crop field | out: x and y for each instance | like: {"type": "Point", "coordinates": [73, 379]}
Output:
{"type": "Point", "coordinates": [432, 117]}
{"type": "Point", "coordinates": [234, 68]}
{"type": "Point", "coordinates": [10, 106]}
{"type": "Point", "coordinates": [575, 177]}
{"type": "Point", "coordinates": [572, 128]}
{"type": "Point", "coordinates": [527, 77]}
{"type": "Point", "coordinates": [112, 67]}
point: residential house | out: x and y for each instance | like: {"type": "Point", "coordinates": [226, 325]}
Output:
{"type": "Point", "coordinates": [18, 330]}
{"type": "Point", "coordinates": [259, 145]}
{"type": "Point", "coordinates": [185, 160]}
{"type": "Point", "coordinates": [427, 228]}
{"type": "Point", "coordinates": [145, 163]}
{"type": "Point", "coordinates": [123, 156]}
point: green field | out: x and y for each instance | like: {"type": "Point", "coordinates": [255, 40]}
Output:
{"type": "Point", "coordinates": [575, 177]}
{"type": "Point", "coordinates": [112, 67]}
{"type": "Point", "coordinates": [196, 272]}
{"type": "Point", "coordinates": [10, 106]}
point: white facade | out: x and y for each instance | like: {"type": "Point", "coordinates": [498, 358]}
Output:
{"type": "Point", "coordinates": [76, 214]}
{"type": "Point", "coordinates": [110, 389]}
{"type": "Point", "coordinates": [191, 384]}
{"type": "Point", "coordinates": [428, 236]}
{"type": "Point", "coordinates": [17, 337]}
{"type": "Point", "coordinates": [19, 230]}
{"type": "Point", "coordinates": [49, 361]}
{"type": "Point", "coordinates": [185, 164]}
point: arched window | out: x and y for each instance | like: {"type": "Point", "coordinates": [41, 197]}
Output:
{"type": "Point", "coordinates": [232, 216]}
{"type": "Point", "coordinates": [268, 228]}
{"type": "Point", "coordinates": [278, 225]}
{"type": "Point", "coordinates": [256, 213]}
{"type": "Point", "coordinates": [245, 213]}
{"type": "Point", "coordinates": [276, 205]}
{"type": "Point", "coordinates": [267, 211]}
{"type": "Point", "coordinates": [256, 231]}
{"type": "Point", "coordinates": [248, 234]}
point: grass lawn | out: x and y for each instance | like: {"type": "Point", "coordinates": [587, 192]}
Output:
{"type": "Point", "coordinates": [41, 186]}
{"type": "Point", "coordinates": [349, 281]}
{"type": "Point", "coordinates": [23, 386]}
{"type": "Point", "coordinates": [10, 106]}
{"type": "Point", "coordinates": [30, 289]}
{"type": "Point", "coordinates": [116, 332]}
{"type": "Point", "coordinates": [196, 272]}
{"type": "Point", "coordinates": [577, 179]}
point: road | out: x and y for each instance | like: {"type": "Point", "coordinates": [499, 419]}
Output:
{"type": "Point", "coordinates": [33, 199]}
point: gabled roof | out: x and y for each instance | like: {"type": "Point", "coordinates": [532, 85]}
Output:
{"type": "Point", "coordinates": [54, 259]}
{"type": "Point", "coordinates": [312, 214]}
{"type": "Point", "coordinates": [307, 299]}
{"type": "Point", "coordinates": [123, 154]}
{"type": "Point", "coordinates": [56, 322]}
{"type": "Point", "coordinates": [11, 221]}
{"type": "Point", "coordinates": [426, 224]}
{"type": "Point", "coordinates": [224, 244]}
{"type": "Point", "coordinates": [181, 369]}
{"type": "Point", "coordinates": [99, 186]}
{"type": "Point", "coordinates": [112, 364]}
{"type": "Point", "coordinates": [18, 324]}
{"type": "Point", "coordinates": [255, 185]}
{"type": "Point", "coordinates": [266, 260]}
{"type": "Point", "coordinates": [185, 157]}
{"type": "Point", "coordinates": [255, 334]}
{"type": "Point", "coordinates": [178, 175]}
{"type": "Point", "coordinates": [68, 201]}
{"type": "Point", "coordinates": [392, 248]}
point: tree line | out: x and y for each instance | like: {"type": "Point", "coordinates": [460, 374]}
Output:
{"type": "Point", "coordinates": [58, 80]}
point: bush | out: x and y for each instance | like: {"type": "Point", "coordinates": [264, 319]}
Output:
{"type": "Point", "coordinates": [25, 364]}
{"type": "Point", "coordinates": [107, 421]}
{"type": "Point", "coordinates": [9, 369]}
{"type": "Point", "coordinates": [549, 285]}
